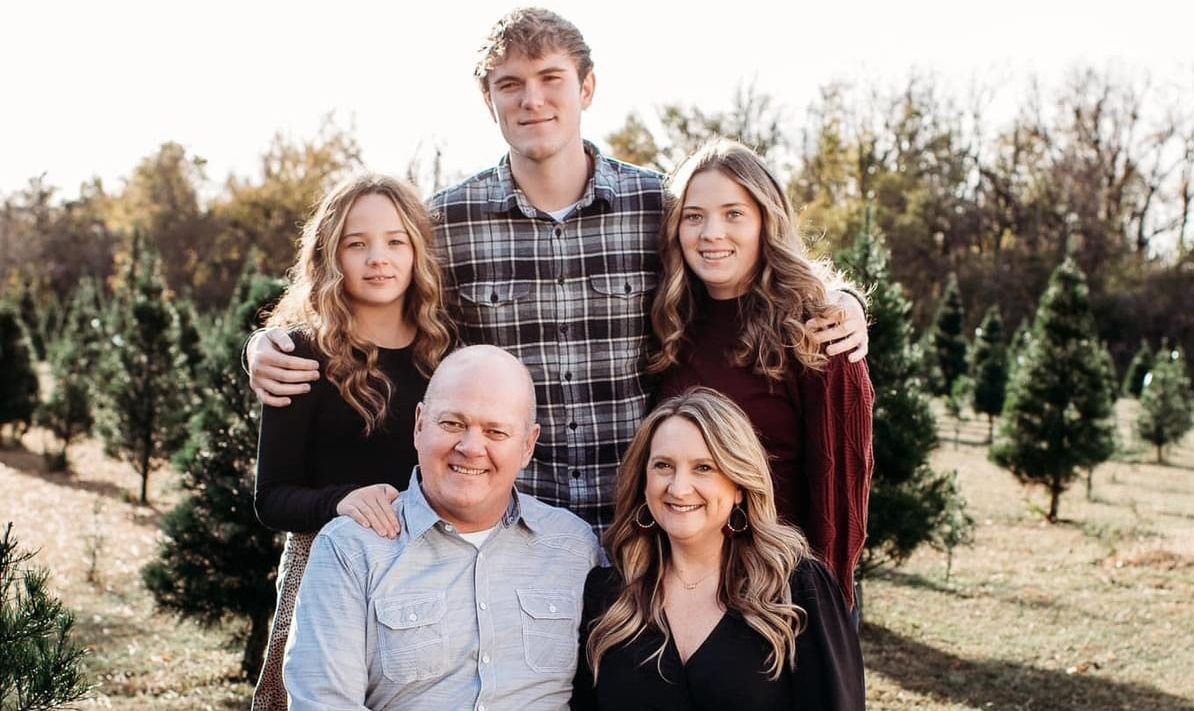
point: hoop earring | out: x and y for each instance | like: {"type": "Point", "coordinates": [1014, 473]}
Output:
{"type": "Point", "coordinates": [730, 530]}
{"type": "Point", "coordinates": [638, 517]}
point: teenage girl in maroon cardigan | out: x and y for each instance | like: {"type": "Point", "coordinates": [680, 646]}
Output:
{"type": "Point", "coordinates": [733, 312]}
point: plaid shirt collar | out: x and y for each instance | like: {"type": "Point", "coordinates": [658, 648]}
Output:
{"type": "Point", "coordinates": [505, 196]}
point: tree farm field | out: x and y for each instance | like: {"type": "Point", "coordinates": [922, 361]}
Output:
{"type": "Point", "coordinates": [1094, 612]}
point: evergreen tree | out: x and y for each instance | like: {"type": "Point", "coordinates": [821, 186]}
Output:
{"type": "Point", "coordinates": [1059, 416]}
{"type": "Point", "coordinates": [18, 380]}
{"type": "Point", "coordinates": [39, 664]}
{"type": "Point", "coordinates": [948, 337]}
{"type": "Point", "coordinates": [216, 560]}
{"type": "Point", "coordinates": [146, 388]}
{"type": "Point", "coordinates": [989, 368]}
{"type": "Point", "coordinates": [957, 526]}
{"type": "Point", "coordinates": [960, 395]}
{"type": "Point", "coordinates": [52, 318]}
{"type": "Point", "coordinates": [1141, 363]}
{"type": "Point", "coordinates": [74, 358]}
{"type": "Point", "coordinates": [908, 499]}
{"type": "Point", "coordinates": [190, 339]}
{"type": "Point", "coordinates": [1165, 408]}
{"type": "Point", "coordinates": [67, 413]}
{"type": "Point", "coordinates": [31, 317]}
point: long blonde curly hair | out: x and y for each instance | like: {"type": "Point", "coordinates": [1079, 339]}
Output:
{"type": "Point", "coordinates": [787, 288]}
{"type": "Point", "coordinates": [756, 565]}
{"type": "Point", "coordinates": [315, 303]}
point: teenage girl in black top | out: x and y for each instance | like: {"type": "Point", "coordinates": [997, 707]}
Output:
{"type": "Point", "coordinates": [365, 303]}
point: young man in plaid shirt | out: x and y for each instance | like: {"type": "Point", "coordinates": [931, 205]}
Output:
{"type": "Point", "coordinates": [551, 255]}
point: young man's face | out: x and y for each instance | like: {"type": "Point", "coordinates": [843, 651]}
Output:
{"type": "Point", "coordinates": [537, 103]}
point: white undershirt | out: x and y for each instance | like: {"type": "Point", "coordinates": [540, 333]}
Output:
{"type": "Point", "coordinates": [559, 215]}
{"type": "Point", "coordinates": [478, 537]}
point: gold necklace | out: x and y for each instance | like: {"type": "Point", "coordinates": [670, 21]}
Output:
{"type": "Point", "coordinates": [692, 586]}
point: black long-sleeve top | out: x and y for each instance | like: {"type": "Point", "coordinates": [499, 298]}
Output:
{"type": "Point", "coordinates": [726, 670]}
{"type": "Point", "coordinates": [314, 452]}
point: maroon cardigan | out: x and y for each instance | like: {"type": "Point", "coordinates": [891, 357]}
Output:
{"type": "Point", "coordinates": [815, 425]}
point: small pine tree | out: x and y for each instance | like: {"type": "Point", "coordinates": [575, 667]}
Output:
{"type": "Point", "coordinates": [146, 388]}
{"type": "Point", "coordinates": [1165, 408]}
{"type": "Point", "coordinates": [67, 413]}
{"type": "Point", "coordinates": [948, 338]}
{"type": "Point", "coordinates": [988, 368]}
{"type": "Point", "coordinates": [1058, 416]}
{"type": "Point", "coordinates": [907, 497]}
{"type": "Point", "coordinates": [216, 560]}
{"type": "Point", "coordinates": [18, 380]}
{"type": "Point", "coordinates": [53, 316]}
{"type": "Point", "coordinates": [31, 317]}
{"type": "Point", "coordinates": [1137, 369]}
{"type": "Point", "coordinates": [955, 404]}
{"type": "Point", "coordinates": [190, 339]}
{"type": "Point", "coordinates": [74, 357]}
{"type": "Point", "coordinates": [957, 525]}
{"type": "Point", "coordinates": [40, 667]}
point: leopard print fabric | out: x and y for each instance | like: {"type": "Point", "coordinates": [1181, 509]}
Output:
{"type": "Point", "coordinates": [270, 694]}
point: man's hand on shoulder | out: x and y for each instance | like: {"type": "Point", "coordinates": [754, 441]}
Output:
{"type": "Point", "coordinates": [275, 376]}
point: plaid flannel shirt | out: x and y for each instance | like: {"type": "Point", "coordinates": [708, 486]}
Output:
{"type": "Point", "coordinates": [571, 300]}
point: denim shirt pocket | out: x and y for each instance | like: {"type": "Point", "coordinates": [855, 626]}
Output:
{"type": "Point", "coordinates": [549, 629]}
{"type": "Point", "coordinates": [412, 635]}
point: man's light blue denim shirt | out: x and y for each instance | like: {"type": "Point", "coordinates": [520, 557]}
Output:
{"type": "Point", "coordinates": [431, 622]}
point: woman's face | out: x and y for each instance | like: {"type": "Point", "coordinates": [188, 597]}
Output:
{"type": "Point", "coordinates": [375, 254]}
{"type": "Point", "coordinates": [687, 494]}
{"type": "Point", "coordinates": [720, 226]}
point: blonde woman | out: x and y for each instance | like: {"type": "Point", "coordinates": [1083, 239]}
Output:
{"type": "Point", "coordinates": [735, 310]}
{"type": "Point", "coordinates": [364, 302]}
{"type": "Point", "coordinates": [711, 602]}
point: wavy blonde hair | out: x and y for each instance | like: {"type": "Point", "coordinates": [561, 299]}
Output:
{"type": "Point", "coordinates": [315, 303]}
{"type": "Point", "coordinates": [787, 288]}
{"type": "Point", "coordinates": [756, 565]}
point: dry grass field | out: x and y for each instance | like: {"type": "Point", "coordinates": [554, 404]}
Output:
{"type": "Point", "coordinates": [1095, 612]}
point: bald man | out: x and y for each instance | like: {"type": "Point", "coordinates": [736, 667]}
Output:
{"type": "Point", "coordinates": [476, 605]}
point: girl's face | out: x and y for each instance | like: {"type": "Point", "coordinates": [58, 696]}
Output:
{"type": "Point", "coordinates": [688, 495]}
{"type": "Point", "coordinates": [720, 226]}
{"type": "Point", "coordinates": [375, 253]}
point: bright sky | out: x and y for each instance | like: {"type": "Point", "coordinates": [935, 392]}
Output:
{"type": "Point", "coordinates": [91, 86]}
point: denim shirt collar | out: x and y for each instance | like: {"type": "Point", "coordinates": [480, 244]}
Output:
{"type": "Point", "coordinates": [418, 516]}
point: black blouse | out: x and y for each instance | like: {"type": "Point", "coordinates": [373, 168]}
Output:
{"type": "Point", "coordinates": [314, 452]}
{"type": "Point", "coordinates": [727, 670]}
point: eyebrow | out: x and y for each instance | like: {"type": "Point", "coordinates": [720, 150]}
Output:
{"type": "Point", "coordinates": [688, 206]}
{"type": "Point", "coordinates": [553, 69]}
{"type": "Point", "coordinates": [358, 233]}
{"type": "Point", "coordinates": [461, 416]}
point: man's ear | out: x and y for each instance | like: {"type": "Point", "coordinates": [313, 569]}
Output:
{"type": "Point", "coordinates": [488, 97]}
{"type": "Point", "coordinates": [532, 438]}
{"type": "Point", "coordinates": [587, 87]}
{"type": "Point", "coordinates": [418, 418]}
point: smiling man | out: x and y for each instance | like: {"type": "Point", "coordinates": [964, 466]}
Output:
{"type": "Point", "coordinates": [477, 604]}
